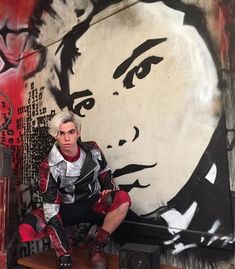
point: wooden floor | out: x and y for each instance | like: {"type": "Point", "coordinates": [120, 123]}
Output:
{"type": "Point", "coordinates": [47, 260]}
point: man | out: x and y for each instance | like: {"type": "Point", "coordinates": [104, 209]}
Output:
{"type": "Point", "coordinates": [76, 186]}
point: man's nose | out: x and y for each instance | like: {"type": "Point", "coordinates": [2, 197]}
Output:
{"type": "Point", "coordinates": [66, 136]}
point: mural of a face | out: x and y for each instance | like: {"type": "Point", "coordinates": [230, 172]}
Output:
{"type": "Point", "coordinates": [145, 85]}
{"type": "Point", "coordinates": [150, 98]}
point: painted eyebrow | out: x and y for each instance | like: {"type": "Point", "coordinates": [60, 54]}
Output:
{"type": "Point", "coordinates": [148, 44]}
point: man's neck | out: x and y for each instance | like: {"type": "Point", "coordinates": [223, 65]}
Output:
{"type": "Point", "coordinates": [71, 156]}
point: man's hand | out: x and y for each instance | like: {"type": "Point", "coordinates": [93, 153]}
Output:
{"type": "Point", "coordinates": [104, 192]}
{"type": "Point", "coordinates": [105, 197]}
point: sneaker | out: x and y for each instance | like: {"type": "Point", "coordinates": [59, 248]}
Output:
{"type": "Point", "coordinates": [97, 257]}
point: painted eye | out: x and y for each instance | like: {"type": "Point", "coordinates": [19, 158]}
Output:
{"type": "Point", "coordinates": [140, 71]}
{"type": "Point", "coordinates": [87, 104]}
{"type": "Point", "coordinates": [11, 36]}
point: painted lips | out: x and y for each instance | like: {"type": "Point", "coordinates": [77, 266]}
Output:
{"type": "Point", "coordinates": [131, 168]}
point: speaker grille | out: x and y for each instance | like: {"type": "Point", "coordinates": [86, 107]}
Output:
{"type": "Point", "coordinates": [138, 261]}
{"type": "Point", "coordinates": [139, 256]}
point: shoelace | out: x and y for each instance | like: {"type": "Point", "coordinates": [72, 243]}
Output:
{"type": "Point", "coordinates": [99, 249]}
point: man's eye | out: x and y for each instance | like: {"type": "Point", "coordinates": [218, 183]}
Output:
{"type": "Point", "coordinates": [72, 132]}
{"type": "Point", "coordinates": [141, 71]}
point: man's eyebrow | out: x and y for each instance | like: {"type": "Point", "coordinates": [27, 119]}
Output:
{"type": "Point", "coordinates": [148, 44]}
{"type": "Point", "coordinates": [73, 129]}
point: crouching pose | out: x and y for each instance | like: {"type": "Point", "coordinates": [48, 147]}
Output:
{"type": "Point", "coordinates": [77, 187]}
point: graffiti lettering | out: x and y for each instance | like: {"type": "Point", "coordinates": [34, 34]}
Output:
{"type": "Point", "coordinates": [6, 111]}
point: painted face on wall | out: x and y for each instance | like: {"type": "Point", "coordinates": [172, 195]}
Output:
{"type": "Point", "coordinates": [145, 86]}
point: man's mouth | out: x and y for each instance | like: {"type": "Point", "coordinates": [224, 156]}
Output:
{"type": "Point", "coordinates": [131, 168]}
{"type": "Point", "coordinates": [67, 145]}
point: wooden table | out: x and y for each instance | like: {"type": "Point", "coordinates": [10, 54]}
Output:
{"type": "Point", "coordinates": [47, 260]}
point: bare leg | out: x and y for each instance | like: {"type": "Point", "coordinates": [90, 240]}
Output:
{"type": "Point", "coordinates": [113, 219]}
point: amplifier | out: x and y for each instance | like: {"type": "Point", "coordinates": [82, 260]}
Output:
{"type": "Point", "coordinates": [139, 256]}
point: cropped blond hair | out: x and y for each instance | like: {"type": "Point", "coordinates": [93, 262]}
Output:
{"type": "Point", "coordinates": [63, 117]}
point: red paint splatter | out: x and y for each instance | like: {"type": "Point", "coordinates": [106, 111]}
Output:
{"type": "Point", "coordinates": [14, 16]}
{"type": "Point", "coordinates": [16, 12]}
{"type": "Point", "coordinates": [227, 25]}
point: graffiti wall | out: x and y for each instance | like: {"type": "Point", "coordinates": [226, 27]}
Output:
{"type": "Point", "coordinates": [147, 79]}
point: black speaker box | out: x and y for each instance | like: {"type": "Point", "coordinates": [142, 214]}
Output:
{"type": "Point", "coordinates": [139, 256]}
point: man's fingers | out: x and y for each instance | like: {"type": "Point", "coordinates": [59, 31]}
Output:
{"type": "Point", "coordinates": [105, 192]}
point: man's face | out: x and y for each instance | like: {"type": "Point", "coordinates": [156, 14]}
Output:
{"type": "Point", "coordinates": [67, 138]}
{"type": "Point", "coordinates": [155, 98]}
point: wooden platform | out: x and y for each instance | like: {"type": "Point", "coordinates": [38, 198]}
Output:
{"type": "Point", "coordinates": [47, 260]}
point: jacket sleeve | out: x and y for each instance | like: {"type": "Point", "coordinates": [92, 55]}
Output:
{"type": "Point", "coordinates": [51, 205]}
{"type": "Point", "coordinates": [105, 174]}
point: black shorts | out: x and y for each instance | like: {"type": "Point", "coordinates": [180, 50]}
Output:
{"type": "Point", "coordinates": [81, 212]}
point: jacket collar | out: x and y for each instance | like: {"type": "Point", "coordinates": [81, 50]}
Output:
{"type": "Point", "coordinates": [55, 157]}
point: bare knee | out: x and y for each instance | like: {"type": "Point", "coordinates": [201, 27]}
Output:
{"type": "Point", "coordinates": [123, 208]}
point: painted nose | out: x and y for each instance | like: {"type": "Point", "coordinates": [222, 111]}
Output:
{"type": "Point", "coordinates": [121, 142]}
